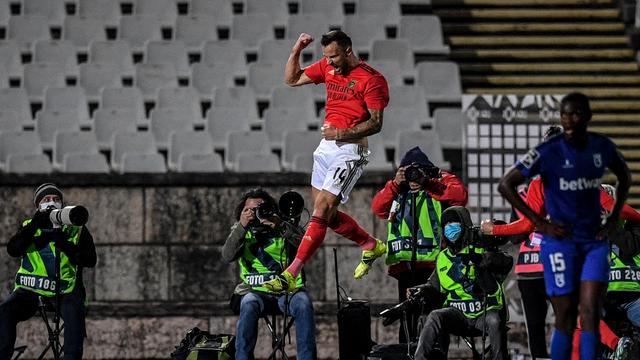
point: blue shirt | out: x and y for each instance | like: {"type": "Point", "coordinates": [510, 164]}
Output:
{"type": "Point", "coordinates": [571, 179]}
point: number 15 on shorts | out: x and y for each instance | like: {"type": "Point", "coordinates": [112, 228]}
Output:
{"type": "Point", "coordinates": [557, 267]}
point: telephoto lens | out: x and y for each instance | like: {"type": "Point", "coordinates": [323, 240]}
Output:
{"type": "Point", "coordinates": [70, 215]}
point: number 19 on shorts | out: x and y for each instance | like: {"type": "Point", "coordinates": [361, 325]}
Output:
{"type": "Point", "coordinates": [557, 267]}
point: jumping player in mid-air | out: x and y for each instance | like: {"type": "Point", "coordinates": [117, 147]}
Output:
{"type": "Point", "coordinates": [574, 251]}
{"type": "Point", "coordinates": [356, 97]}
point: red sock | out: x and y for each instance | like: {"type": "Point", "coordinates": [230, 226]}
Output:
{"type": "Point", "coordinates": [346, 226]}
{"type": "Point", "coordinates": [311, 241]}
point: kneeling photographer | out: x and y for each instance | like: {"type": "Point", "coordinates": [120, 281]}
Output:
{"type": "Point", "coordinates": [467, 284]}
{"type": "Point", "coordinates": [263, 243]}
{"type": "Point", "coordinates": [54, 246]}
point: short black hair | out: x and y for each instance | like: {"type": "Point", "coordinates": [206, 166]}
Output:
{"type": "Point", "coordinates": [339, 36]}
{"type": "Point", "coordinates": [258, 193]}
{"type": "Point", "coordinates": [577, 98]}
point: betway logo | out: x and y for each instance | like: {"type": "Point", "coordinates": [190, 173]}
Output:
{"type": "Point", "coordinates": [579, 184]}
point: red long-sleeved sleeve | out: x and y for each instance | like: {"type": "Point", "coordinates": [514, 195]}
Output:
{"type": "Point", "coordinates": [449, 188]}
{"type": "Point", "coordinates": [535, 200]}
{"type": "Point", "coordinates": [381, 203]}
{"type": "Point", "coordinates": [627, 212]}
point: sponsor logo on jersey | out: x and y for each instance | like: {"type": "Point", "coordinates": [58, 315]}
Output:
{"type": "Point", "coordinates": [530, 158]}
{"type": "Point", "coordinates": [579, 184]}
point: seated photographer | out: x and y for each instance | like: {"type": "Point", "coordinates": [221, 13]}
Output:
{"type": "Point", "coordinates": [262, 248]}
{"type": "Point", "coordinates": [469, 277]}
{"type": "Point", "coordinates": [37, 242]}
{"type": "Point", "coordinates": [434, 190]}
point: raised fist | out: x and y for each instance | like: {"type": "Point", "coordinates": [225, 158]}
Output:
{"type": "Point", "coordinates": [303, 41]}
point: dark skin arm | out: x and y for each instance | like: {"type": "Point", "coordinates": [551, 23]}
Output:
{"type": "Point", "coordinates": [508, 189]}
{"type": "Point", "coordinates": [621, 170]}
{"type": "Point", "coordinates": [364, 129]}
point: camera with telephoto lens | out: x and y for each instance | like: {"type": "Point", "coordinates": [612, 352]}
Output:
{"type": "Point", "coordinates": [417, 173]}
{"type": "Point", "coordinates": [289, 208]}
{"type": "Point", "coordinates": [264, 211]}
{"type": "Point", "coordinates": [69, 215]}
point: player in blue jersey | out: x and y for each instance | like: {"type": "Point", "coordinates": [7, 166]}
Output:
{"type": "Point", "coordinates": [574, 253]}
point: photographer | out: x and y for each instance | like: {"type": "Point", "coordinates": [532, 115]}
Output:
{"type": "Point", "coordinates": [262, 248]}
{"type": "Point", "coordinates": [470, 278]}
{"type": "Point", "coordinates": [36, 242]}
{"type": "Point", "coordinates": [433, 190]}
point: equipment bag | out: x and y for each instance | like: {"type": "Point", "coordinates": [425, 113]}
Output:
{"type": "Point", "coordinates": [354, 330]}
{"type": "Point", "coordinates": [201, 345]}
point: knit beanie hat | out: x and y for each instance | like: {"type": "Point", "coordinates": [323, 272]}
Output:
{"type": "Point", "coordinates": [416, 155]}
{"type": "Point", "coordinates": [44, 190]}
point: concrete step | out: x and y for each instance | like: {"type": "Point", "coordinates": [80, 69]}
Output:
{"type": "Point", "coordinates": [573, 41]}
{"type": "Point", "coordinates": [629, 66]}
{"type": "Point", "coordinates": [613, 131]}
{"type": "Point", "coordinates": [634, 165]}
{"type": "Point", "coordinates": [630, 154]}
{"type": "Point", "coordinates": [599, 92]}
{"type": "Point", "coordinates": [552, 80]}
{"type": "Point", "coordinates": [628, 141]}
{"type": "Point", "coordinates": [511, 3]}
{"type": "Point", "coordinates": [615, 105]}
{"type": "Point", "coordinates": [535, 27]}
{"type": "Point", "coordinates": [543, 54]}
{"type": "Point", "coordinates": [631, 119]}
{"type": "Point", "coordinates": [529, 13]}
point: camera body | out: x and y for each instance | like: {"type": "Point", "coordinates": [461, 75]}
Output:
{"type": "Point", "coordinates": [418, 173]}
{"type": "Point", "coordinates": [289, 207]}
{"type": "Point", "coordinates": [69, 215]}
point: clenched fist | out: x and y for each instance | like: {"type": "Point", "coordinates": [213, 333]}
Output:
{"type": "Point", "coordinates": [303, 41]}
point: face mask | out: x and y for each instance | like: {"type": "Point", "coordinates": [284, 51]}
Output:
{"type": "Point", "coordinates": [452, 231]}
{"type": "Point", "coordinates": [50, 204]}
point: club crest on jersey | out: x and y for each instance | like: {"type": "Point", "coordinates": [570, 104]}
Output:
{"type": "Point", "coordinates": [351, 84]}
{"type": "Point", "coordinates": [530, 158]}
{"type": "Point", "coordinates": [597, 160]}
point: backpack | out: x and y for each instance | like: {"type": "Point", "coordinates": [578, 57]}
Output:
{"type": "Point", "coordinates": [201, 345]}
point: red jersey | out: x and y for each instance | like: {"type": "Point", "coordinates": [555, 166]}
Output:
{"type": "Point", "coordinates": [350, 97]}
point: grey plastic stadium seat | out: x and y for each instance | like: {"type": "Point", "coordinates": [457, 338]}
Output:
{"type": "Point", "coordinates": [277, 10]}
{"type": "Point", "coordinates": [424, 33]}
{"type": "Point", "coordinates": [298, 142]}
{"type": "Point", "coordinates": [313, 23]}
{"type": "Point", "coordinates": [285, 96]}
{"type": "Point", "coordinates": [237, 97]}
{"type": "Point", "coordinates": [10, 58]}
{"type": "Point", "coordinates": [228, 52]}
{"type": "Point", "coordinates": [11, 120]}
{"type": "Point", "coordinates": [200, 163]}
{"type": "Point", "coordinates": [239, 141]}
{"type": "Point", "coordinates": [37, 77]}
{"type": "Point", "coordinates": [117, 52]}
{"type": "Point", "coordinates": [60, 52]}
{"type": "Point", "coordinates": [70, 142]}
{"type": "Point", "coordinates": [133, 143]}
{"type": "Point", "coordinates": [67, 98]}
{"type": "Point", "coordinates": [96, 76]}
{"type": "Point", "coordinates": [389, 8]}
{"type": "Point", "coordinates": [173, 52]}
{"type": "Point", "coordinates": [391, 71]}
{"type": "Point", "coordinates": [151, 77]}
{"type": "Point", "coordinates": [85, 164]}
{"type": "Point", "coordinates": [82, 30]}
{"type": "Point", "coordinates": [279, 120]}
{"type": "Point", "coordinates": [254, 162]}
{"type": "Point", "coordinates": [275, 51]}
{"type": "Point", "coordinates": [165, 121]}
{"type": "Point", "coordinates": [427, 141]}
{"type": "Point", "coordinates": [165, 11]}
{"type": "Point", "coordinates": [397, 119]}
{"type": "Point", "coordinates": [52, 10]}
{"type": "Point", "coordinates": [106, 10]}
{"type": "Point", "coordinates": [5, 13]}
{"type": "Point", "coordinates": [377, 156]}
{"type": "Point", "coordinates": [394, 50]}
{"type": "Point", "coordinates": [251, 29]}
{"type": "Point", "coordinates": [440, 81]}
{"type": "Point", "coordinates": [180, 97]}
{"type": "Point", "coordinates": [106, 122]}
{"type": "Point", "coordinates": [363, 30]}
{"type": "Point", "coordinates": [188, 142]}
{"type": "Point", "coordinates": [331, 10]}
{"type": "Point", "coordinates": [4, 78]}
{"type": "Point", "coordinates": [207, 77]}
{"type": "Point", "coordinates": [411, 96]}
{"type": "Point", "coordinates": [48, 122]}
{"type": "Point", "coordinates": [194, 30]}
{"type": "Point", "coordinates": [262, 78]}
{"type": "Point", "coordinates": [18, 142]}
{"type": "Point", "coordinates": [143, 163]}
{"type": "Point", "coordinates": [448, 126]}
{"type": "Point", "coordinates": [125, 98]}
{"type": "Point", "coordinates": [26, 30]}
{"type": "Point", "coordinates": [28, 164]}
{"type": "Point", "coordinates": [15, 99]}
{"type": "Point", "coordinates": [223, 120]}
{"type": "Point", "coordinates": [221, 10]}
{"type": "Point", "coordinates": [302, 163]}
{"type": "Point", "coordinates": [138, 29]}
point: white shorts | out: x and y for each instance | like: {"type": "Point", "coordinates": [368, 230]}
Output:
{"type": "Point", "coordinates": [337, 166]}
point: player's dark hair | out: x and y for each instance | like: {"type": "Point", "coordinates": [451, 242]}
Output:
{"type": "Point", "coordinates": [343, 40]}
{"type": "Point", "coordinates": [580, 99]}
{"type": "Point", "coordinates": [254, 194]}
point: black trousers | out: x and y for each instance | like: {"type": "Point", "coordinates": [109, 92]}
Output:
{"type": "Point", "coordinates": [405, 281]}
{"type": "Point", "coordinates": [535, 306]}
{"type": "Point", "coordinates": [22, 304]}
